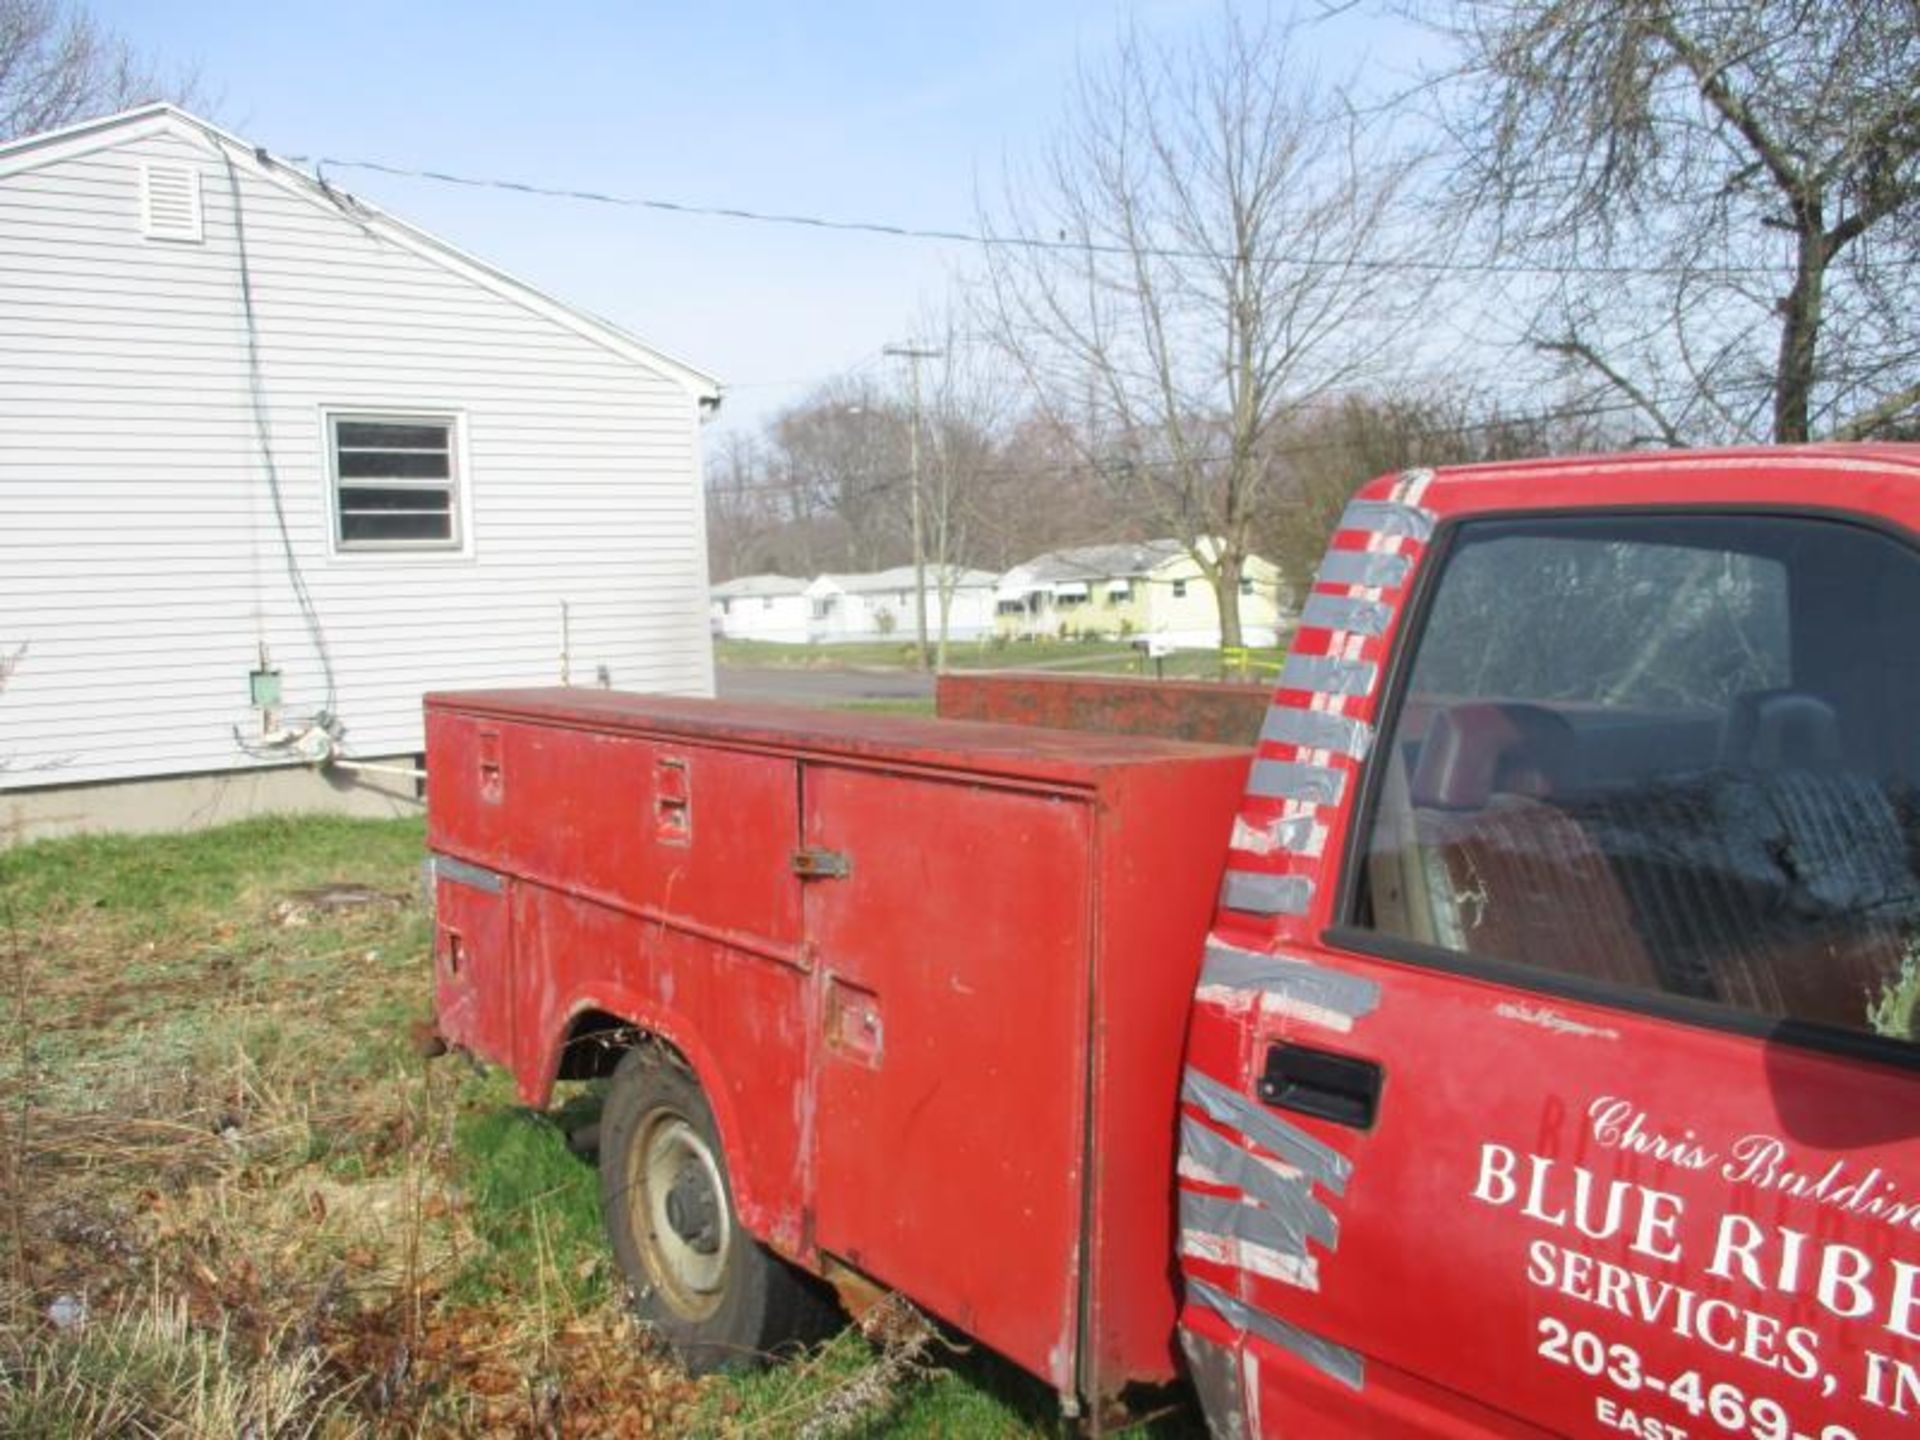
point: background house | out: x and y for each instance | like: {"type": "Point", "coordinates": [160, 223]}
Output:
{"type": "Point", "coordinates": [762, 607]}
{"type": "Point", "coordinates": [1153, 588]}
{"type": "Point", "coordinates": [880, 604]}
{"type": "Point", "coordinates": [277, 463]}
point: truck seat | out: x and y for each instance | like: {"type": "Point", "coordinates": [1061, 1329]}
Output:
{"type": "Point", "coordinates": [1511, 875]}
{"type": "Point", "coordinates": [1777, 882]}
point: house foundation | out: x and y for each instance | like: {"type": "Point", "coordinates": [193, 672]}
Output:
{"type": "Point", "coordinates": [194, 802]}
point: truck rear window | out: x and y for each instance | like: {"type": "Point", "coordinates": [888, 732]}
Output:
{"type": "Point", "coordinates": [1671, 754]}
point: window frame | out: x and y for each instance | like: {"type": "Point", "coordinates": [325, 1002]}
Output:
{"type": "Point", "coordinates": [459, 508]}
{"type": "Point", "coordinates": [1344, 933]}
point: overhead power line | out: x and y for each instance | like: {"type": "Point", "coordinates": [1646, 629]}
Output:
{"type": "Point", "coordinates": [985, 240]}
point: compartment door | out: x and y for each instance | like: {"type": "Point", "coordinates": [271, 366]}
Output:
{"type": "Point", "coordinates": [473, 958]}
{"type": "Point", "coordinates": [950, 1079]}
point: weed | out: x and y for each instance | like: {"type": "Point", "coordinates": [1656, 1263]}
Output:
{"type": "Point", "coordinates": [149, 1370]}
{"type": "Point", "coordinates": [1893, 1012]}
{"type": "Point", "coordinates": [535, 1206]}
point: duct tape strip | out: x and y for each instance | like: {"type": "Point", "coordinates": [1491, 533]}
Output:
{"type": "Point", "coordinates": [1411, 485]}
{"type": "Point", "coordinates": [1329, 675]}
{"type": "Point", "coordinates": [1315, 1160]}
{"type": "Point", "coordinates": [1295, 780]}
{"type": "Point", "coordinates": [1363, 567]}
{"type": "Point", "coordinates": [1317, 730]}
{"type": "Point", "coordinates": [461, 873]}
{"type": "Point", "coordinates": [1230, 1219]}
{"type": "Point", "coordinates": [1342, 1364]}
{"type": "Point", "coordinates": [1288, 1198]}
{"type": "Point", "coordinates": [1296, 834]}
{"type": "Point", "coordinates": [1384, 517]}
{"type": "Point", "coordinates": [1259, 893]}
{"type": "Point", "coordinates": [1315, 985]}
{"type": "Point", "coordinates": [1343, 612]}
{"type": "Point", "coordinates": [1215, 1371]}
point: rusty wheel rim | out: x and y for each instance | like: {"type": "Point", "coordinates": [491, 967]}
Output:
{"type": "Point", "coordinates": [679, 1217]}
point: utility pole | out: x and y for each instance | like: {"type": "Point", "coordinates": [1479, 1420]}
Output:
{"type": "Point", "coordinates": [913, 355]}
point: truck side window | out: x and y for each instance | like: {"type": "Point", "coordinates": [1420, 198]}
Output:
{"type": "Point", "coordinates": [1668, 753]}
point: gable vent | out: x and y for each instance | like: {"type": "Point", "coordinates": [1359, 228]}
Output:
{"type": "Point", "coordinates": [170, 203]}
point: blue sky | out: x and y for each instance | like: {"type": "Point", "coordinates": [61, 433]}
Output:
{"type": "Point", "coordinates": [892, 112]}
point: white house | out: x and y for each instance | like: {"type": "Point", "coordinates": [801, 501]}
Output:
{"type": "Point", "coordinates": [880, 604]}
{"type": "Point", "coordinates": [275, 463]}
{"type": "Point", "coordinates": [762, 607]}
{"type": "Point", "coordinates": [1152, 589]}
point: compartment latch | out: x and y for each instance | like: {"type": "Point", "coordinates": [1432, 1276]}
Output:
{"type": "Point", "coordinates": [815, 862]}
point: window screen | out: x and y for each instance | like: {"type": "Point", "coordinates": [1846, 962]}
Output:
{"type": "Point", "coordinates": [1669, 754]}
{"type": "Point", "coordinates": [394, 482]}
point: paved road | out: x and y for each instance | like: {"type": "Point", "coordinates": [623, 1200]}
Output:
{"type": "Point", "coordinates": [806, 685]}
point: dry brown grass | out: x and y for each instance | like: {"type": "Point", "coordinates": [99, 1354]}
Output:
{"type": "Point", "coordinates": [233, 1200]}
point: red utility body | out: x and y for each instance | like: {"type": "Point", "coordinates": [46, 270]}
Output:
{"type": "Point", "coordinates": [953, 1067]}
{"type": "Point", "coordinates": [1554, 1050]}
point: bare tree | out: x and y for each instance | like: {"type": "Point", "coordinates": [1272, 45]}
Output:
{"type": "Point", "coordinates": [842, 451]}
{"type": "Point", "coordinates": [963, 407]}
{"type": "Point", "coordinates": [745, 519]}
{"type": "Point", "coordinates": [1720, 201]}
{"type": "Point", "coordinates": [59, 65]}
{"type": "Point", "coordinates": [1208, 246]}
{"type": "Point", "coordinates": [1043, 493]}
{"type": "Point", "coordinates": [1325, 452]}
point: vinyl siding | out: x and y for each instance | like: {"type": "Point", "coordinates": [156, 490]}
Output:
{"type": "Point", "coordinates": [141, 561]}
{"type": "Point", "coordinates": [1194, 618]}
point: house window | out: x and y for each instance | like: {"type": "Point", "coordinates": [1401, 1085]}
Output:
{"type": "Point", "coordinates": [766, 602]}
{"type": "Point", "coordinates": [1246, 584]}
{"type": "Point", "coordinates": [1179, 589]}
{"type": "Point", "coordinates": [395, 484]}
{"type": "Point", "coordinates": [1119, 592]}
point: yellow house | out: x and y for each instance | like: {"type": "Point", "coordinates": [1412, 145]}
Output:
{"type": "Point", "coordinates": [1152, 589]}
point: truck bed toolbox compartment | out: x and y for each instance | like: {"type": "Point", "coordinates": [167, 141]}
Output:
{"type": "Point", "coordinates": [934, 977]}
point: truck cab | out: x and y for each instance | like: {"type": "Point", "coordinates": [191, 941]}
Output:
{"type": "Point", "coordinates": [1552, 1066]}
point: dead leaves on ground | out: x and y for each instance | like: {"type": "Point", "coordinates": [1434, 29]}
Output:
{"type": "Point", "coordinates": [480, 1370]}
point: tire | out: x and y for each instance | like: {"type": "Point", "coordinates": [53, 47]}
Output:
{"type": "Point", "coordinates": [717, 1296]}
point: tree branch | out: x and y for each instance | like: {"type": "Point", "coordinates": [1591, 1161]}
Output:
{"type": "Point", "coordinates": [1575, 349]}
{"type": "Point", "coordinates": [1711, 78]}
{"type": "Point", "coordinates": [1867, 421]}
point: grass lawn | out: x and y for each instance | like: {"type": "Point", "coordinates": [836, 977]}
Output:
{"type": "Point", "coordinates": [1110, 657]}
{"type": "Point", "coordinates": [236, 1201]}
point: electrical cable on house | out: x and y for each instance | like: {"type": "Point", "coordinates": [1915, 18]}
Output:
{"type": "Point", "coordinates": [323, 720]}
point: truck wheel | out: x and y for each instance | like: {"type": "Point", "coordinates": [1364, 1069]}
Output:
{"type": "Point", "coordinates": [706, 1286]}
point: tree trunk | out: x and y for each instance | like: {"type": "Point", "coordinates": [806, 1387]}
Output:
{"type": "Point", "coordinates": [944, 597]}
{"type": "Point", "coordinates": [1226, 585]}
{"type": "Point", "coordinates": [1800, 333]}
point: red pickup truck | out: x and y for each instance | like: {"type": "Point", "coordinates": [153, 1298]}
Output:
{"type": "Point", "coordinates": [1518, 1037]}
